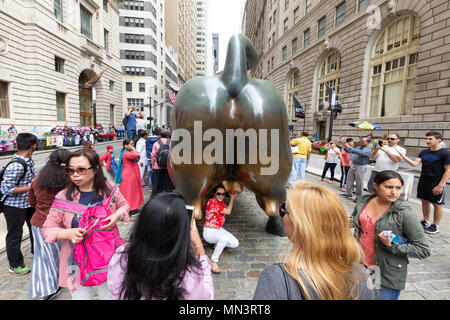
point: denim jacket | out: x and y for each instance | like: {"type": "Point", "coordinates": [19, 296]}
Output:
{"type": "Point", "coordinates": [393, 261]}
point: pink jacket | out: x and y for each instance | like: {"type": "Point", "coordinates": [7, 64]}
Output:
{"type": "Point", "coordinates": [155, 149]}
{"type": "Point", "coordinates": [58, 220]}
{"type": "Point", "coordinates": [197, 286]}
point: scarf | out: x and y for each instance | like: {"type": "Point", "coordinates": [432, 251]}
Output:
{"type": "Point", "coordinates": [119, 169]}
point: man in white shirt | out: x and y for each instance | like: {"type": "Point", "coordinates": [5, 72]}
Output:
{"type": "Point", "coordinates": [142, 149]}
{"type": "Point", "coordinates": [387, 158]}
{"type": "Point", "coordinates": [140, 122]}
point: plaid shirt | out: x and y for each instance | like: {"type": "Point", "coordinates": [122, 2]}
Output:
{"type": "Point", "coordinates": [11, 180]}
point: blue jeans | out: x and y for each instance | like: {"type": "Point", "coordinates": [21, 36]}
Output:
{"type": "Point", "coordinates": [131, 134]}
{"type": "Point", "coordinates": [388, 294]}
{"type": "Point", "coordinates": [298, 167]}
{"type": "Point", "coordinates": [150, 174]}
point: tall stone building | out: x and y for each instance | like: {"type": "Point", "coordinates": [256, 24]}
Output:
{"type": "Point", "coordinates": [51, 54]}
{"type": "Point", "coordinates": [387, 60]}
{"type": "Point", "coordinates": [145, 58]}
{"type": "Point", "coordinates": [181, 36]}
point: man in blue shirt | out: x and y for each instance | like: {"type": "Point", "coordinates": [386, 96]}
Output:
{"type": "Point", "coordinates": [360, 160]}
{"type": "Point", "coordinates": [131, 122]}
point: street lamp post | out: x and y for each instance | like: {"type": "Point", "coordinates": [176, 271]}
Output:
{"type": "Point", "coordinates": [94, 107]}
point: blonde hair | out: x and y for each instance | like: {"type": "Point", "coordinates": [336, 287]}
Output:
{"type": "Point", "coordinates": [324, 249]}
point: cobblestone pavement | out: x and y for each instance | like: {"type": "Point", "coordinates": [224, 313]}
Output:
{"type": "Point", "coordinates": [428, 279]}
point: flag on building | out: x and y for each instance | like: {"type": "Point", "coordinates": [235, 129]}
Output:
{"type": "Point", "coordinates": [299, 110]}
{"type": "Point", "coordinates": [172, 96]}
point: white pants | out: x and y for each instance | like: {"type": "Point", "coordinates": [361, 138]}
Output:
{"type": "Point", "coordinates": [87, 293]}
{"type": "Point", "coordinates": [223, 239]}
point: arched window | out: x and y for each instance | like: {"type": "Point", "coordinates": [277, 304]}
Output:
{"type": "Point", "coordinates": [330, 73]}
{"type": "Point", "coordinates": [393, 68]}
{"type": "Point", "coordinates": [293, 90]}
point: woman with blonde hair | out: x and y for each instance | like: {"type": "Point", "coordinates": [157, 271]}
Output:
{"type": "Point", "coordinates": [325, 262]}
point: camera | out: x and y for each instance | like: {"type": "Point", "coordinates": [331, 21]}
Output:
{"type": "Point", "coordinates": [380, 142]}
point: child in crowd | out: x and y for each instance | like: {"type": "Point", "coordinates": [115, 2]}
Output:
{"type": "Point", "coordinates": [108, 160]}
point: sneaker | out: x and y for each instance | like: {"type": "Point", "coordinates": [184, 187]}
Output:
{"type": "Point", "coordinates": [425, 223]}
{"type": "Point", "coordinates": [54, 295]}
{"type": "Point", "coordinates": [342, 190]}
{"type": "Point", "coordinates": [344, 195]}
{"type": "Point", "coordinates": [432, 229]}
{"type": "Point", "coordinates": [20, 270]}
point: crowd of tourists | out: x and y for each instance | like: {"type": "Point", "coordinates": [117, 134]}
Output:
{"type": "Point", "coordinates": [72, 211]}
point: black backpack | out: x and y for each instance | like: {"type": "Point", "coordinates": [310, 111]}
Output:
{"type": "Point", "coordinates": [2, 172]}
{"type": "Point", "coordinates": [124, 122]}
{"type": "Point", "coordinates": [163, 154]}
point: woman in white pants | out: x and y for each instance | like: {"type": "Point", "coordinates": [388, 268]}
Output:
{"type": "Point", "coordinates": [213, 232]}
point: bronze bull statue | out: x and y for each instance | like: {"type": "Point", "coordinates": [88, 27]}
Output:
{"type": "Point", "coordinates": [232, 130]}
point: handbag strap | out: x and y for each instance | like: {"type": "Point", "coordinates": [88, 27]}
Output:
{"type": "Point", "coordinates": [286, 282]}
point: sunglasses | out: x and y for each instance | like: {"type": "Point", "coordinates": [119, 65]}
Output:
{"type": "Point", "coordinates": [79, 171]}
{"type": "Point", "coordinates": [391, 139]}
{"type": "Point", "coordinates": [282, 210]}
{"type": "Point", "coordinates": [220, 194]}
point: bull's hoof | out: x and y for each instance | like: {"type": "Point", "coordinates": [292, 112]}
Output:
{"type": "Point", "coordinates": [275, 226]}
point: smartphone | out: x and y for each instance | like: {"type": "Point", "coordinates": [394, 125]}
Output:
{"type": "Point", "coordinates": [380, 142]}
{"type": "Point", "coordinates": [190, 210]}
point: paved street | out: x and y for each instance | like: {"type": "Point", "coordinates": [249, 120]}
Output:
{"type": "Point", "coordinates": [428, 279]}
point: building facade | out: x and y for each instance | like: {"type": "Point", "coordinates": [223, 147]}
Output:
{"type": "Point", "coordinates": [143, 57]}
{"type": "Point", "coordinates": [388, 61]}
{"type": "Point", "coordinates": [56, 58]}
{"type": "Point", "coordinates": [181, 16]}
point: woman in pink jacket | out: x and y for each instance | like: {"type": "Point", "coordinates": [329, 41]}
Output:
{"type": "Point", "coordinates": [165, 258]}
{"type": "Point", "coordinates": [88, 187]}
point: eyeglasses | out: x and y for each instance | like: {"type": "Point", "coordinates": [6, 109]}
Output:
{"type": "Point", "coordinates": [391, 139]}
{"type": "Point", "coordinates": [79, 171]}
{"type": "Point", "coordinates": [282, 210]}
{"type": "Point", "coordinates": [220, 194]}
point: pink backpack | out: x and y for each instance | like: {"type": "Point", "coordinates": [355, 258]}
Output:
{"type": "Point", "coordinates": [98, 246]}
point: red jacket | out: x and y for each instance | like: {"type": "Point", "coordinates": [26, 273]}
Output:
{"type": "Point", "coordinates": [106, 157]}
{"type": "Point", "coordinates": [41, 200]}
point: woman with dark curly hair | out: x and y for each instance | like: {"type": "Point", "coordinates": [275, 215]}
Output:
{"type": "Point", "coordinates": [159, 262]}
{"type": "Point", "coordinates": [51, 179]}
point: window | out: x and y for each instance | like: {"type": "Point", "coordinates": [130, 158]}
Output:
{"type": "Point", "coordinates": [105, 5]}
{"type": "Point", "coordinates": [286, 4]}
{"type": "Point", "coordinates": [268, 66]}
{"type": "Point", "coordinates": [141, 87]}
{"type": "Point", "coordinates": [60, 106]}
{"type": "Point", "coordinates": [106, 40]}
{"type": "Point", "coordinates": [306, 36]}
{"type": "Point", "coordinates": [135, 102]}
{"type": "Point", "coordinates": [363, 4]}
{"type": "Point", "coordinates": [134, 55]}
{"type": "Point", "coordinates": [330, 73]}
{"type": "Point", "coordinates": [340, 14]}
{"type": "Point", "coordinates": [86, 22]}
{"type": "Point", "coordinates": [272, 62]}
{"type": "Point", "coordinates": [57, 9]}
{"type": "Point", "coordinates": [296, 15]}
{"type": "Point", "coordinates": [321, 26]}
{"type": "Point", "coordinates": [393, 68]}
{"type": "Point", "coordinates": [134, 38]}
{"type": "Point", "coordinates": [293, 90]}
{"type": "Point", "coordinates": [308, 6]}
{"type": "Point", "coordinates": [270, 23]}
{"type": "Point", "coordinates": [286, 25]}
{"type": "Point", "coordinates": [129, 86]}
{"type": "Point", "coordinates": [294, 46]}
{"type": "Point", "coordinates": [275, 17]}
{"type": "Point", "coordinates": [4, 105]}
{"type": "Point", "coordinates": [111, 85]}
{"type": "Point", "coordinates": [284, 53]}
{"type": "Point", "coordinates": [134, 5]}
{"type": "Point", "coordinates": [111, 114]}
{"type": "Point", "coordinates": [135, 22]}
{"type": "Point", "coordinates": [59, 64]}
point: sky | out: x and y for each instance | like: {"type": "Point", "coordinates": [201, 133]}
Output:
{"type": "Point", "coordinates": [224, 19]}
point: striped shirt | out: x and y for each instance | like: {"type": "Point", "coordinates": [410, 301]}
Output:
{"type": "Point", "coordinates": [11, 181]}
